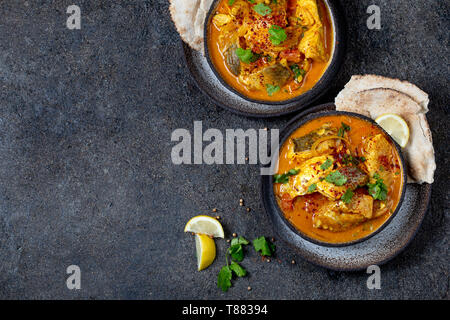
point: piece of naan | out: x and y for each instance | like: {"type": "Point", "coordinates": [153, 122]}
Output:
{"type": "Point", "coordinates": [189, 18]}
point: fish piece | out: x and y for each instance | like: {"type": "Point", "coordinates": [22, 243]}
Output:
{"type": "Point", "coordinates": [359, 204]}
{"type": "Point", "coordinates": [275, 74]}
{"type": "Point", "coordinates": [305, 142]}
{"type": "Point", "coordinates": [309, 173]}
{"type": "Point", "coordinates": [337, 216]}
{"type": "Point", "coordinates": [378, 153]}
{"type": "Point", "coordinates": [308, 13]}
{"type": "Point", "coordinates": [376, 150]}
{"type": "Point", "coordinates": [312, 43]}
{"type": "Point", "coordinates": [355, 178]}
{"type": "Point", "coordinates": [232, 60]}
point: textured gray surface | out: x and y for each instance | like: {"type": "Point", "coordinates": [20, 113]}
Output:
{"type": "Point", "coordinates": [86, 176]}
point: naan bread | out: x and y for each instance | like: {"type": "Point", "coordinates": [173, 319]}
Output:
{"type": "Point", "coordinates": [189, 18]}
{"type": "Point", "coordinates": [373, 101]}
{"type": "Point", "coordinates": [360, 83]}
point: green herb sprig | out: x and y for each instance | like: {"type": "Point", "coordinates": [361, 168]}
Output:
{"type": "Point", "coordinates": [262, 9]}
{"type": "Point", "coordinates": [378, 190]}
{"type": "Point", "coordinates": [277, 35]}
{"type": "Point", "coordinates": [337, 178]}
{"type": "Point", "coordinates": [284, 178]}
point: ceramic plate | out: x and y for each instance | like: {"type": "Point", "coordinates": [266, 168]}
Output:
{"type": "Point", "coordinates": [376, 250]}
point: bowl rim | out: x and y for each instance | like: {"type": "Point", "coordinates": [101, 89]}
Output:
{"type": "Point", "coordinates": [320, 87]}
{"type": "Point", "coordinates": [286, 132]}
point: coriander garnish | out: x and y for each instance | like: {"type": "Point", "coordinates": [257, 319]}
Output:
{"type": "Point", "coordinates": [336, 178]}
{"type": "Point", "coordinates": [348, 195]}
{"type": "Point", "coordinates": [271, 89]}
{"type": "Point", "coordinates": [284, 178]}
{"type": "Point", "coordinates": [326, 164]}
{"type": "Point", "coordinates": [277, 35]}
{"type": "Point", "coordinates": [262, 9]}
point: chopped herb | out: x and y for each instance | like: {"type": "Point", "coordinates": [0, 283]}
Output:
{"type": "Point", "coordinates": [381, 168]}
{"type": "Point", "coordinates": [326, 164]}
{"type": "Point", "coordinates": [344, 127]}
{"type": "Point", "coordinates": [231, 2]}
{"type": "Point", "coordinates": [362, 159]}
{"type": "Point", "coordinates": [262, 9]}
{"type": "Point", "coordinates": [284, 178]}
{"type": "Point", "coordinates": [298, 72]}
{"type": "Point", "coordinates": [377, 190]}
{"type": "Point", "coordinates": [277, 34]}
{"type": "Point", "coordinates": [348, 195]}
{"type": "Point", "coordinates": [240, 240]}
{"type": "Point", "coordinates": [397, 173]}
{"type": "Point", "coordinates": [263, 246]}
{"type": "Point", "coordinates": [268, 58]}
{"type": "Point", "coordinates": [237, 255]}
{"type": "Point", "coordinates": [312, 188]}
{"type": "Point", "coordinates": [271, 89]}
{"type": "Point", "coordinates": [224, 278]}
{"type": "Point", "coordinates": [349, 159]}
{"type": "Point", "coordinates": [275, 1]}
{"type": "Point", "coordinates": [237, 269]}
{"type": "Point", "coordinates": [236, 252]}
{"type": "Point", "coordinates": [251, 1]}
{"type": "Point", "coordinates": [246, 55]}
{"type": "Point", "coordinates": [336, 178]}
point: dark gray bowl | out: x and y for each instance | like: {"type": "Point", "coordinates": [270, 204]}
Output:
{"type": "Point", "coordinates": [377, 248]}
{"type": "Point", "coordinates": [211, 83]}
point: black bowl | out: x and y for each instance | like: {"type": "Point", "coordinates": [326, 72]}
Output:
{"type": "Point", "coordinates": [268, 196]}
{"type": "Point", "coordinates": [320, 88]}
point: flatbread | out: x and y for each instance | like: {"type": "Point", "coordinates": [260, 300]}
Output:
{"type": "Point", "coordinates": [189, 18]}
{"type": "Point", "coordinates": [375, 102]}
{"type": "Point", "coordinates": [360, 83]}
{"type": "Point", "coordinates": [419, 152]}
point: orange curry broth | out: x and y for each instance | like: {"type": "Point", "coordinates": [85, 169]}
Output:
{"type": "Point", "coordinates": [303, 206]}
{"type": "Point", "coordinates": [312, 76]}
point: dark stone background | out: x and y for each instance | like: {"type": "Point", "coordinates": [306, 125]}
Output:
{"type": "Point", "coordinates": [86, 177]}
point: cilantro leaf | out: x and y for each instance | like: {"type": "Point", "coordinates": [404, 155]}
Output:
{"type": "Point", "coordinates": [344, 127]}
{"type": "Point", "coordinates": [277, 35]}
{"type": "Point", "coordinates": [224, 278]}
{"type": "Point", "coordinates": [378, 190]}
{"type": "Point", "coordinates": [312, 188]}
{"type": "Point", "coordinates": [240, 240]}
{"type": "Point", "coordinates": [326, 164]}
{"type": "Point", "coordinates": [348, 195]}
{"type": "Point", "coordinates": [284, 178]}
{"type": "Point", "coordinates": [236, 252]}
{"type": "Point", "coordinates": [263, 246]}
{"type": "Point", "coordinates": [262, 9]}
{"type": "Point", "coordinates": [271, 89]}
{"type": "Point", "coordinates": [298, 72]}
{"type": "Point", "coordinates": [238, 269]}
{"type": "Point", "coordinates": [336, 178]}
{"type": "Point", "coordinates": [231, 2]}
{"type": "Point", "coordinates": [246, 55]}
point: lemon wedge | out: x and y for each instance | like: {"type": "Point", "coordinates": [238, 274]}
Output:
{"type": "Point", "coordinates": [205, 225]}
{"type": "Point", "coordinates": [206, 251]}
{"type": "Point", "coordinates": [396, 127]}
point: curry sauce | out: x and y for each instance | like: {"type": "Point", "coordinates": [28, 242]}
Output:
{"type": "Point", "coordinates": [324, 210]}
{"type": "Point", "coordinates": [284, 50]}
